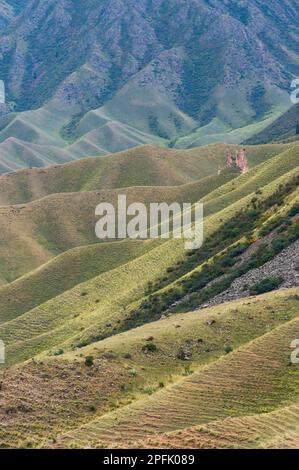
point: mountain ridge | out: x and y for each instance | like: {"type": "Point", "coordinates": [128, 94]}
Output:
{"type": "Point", "coordinates": [134, 77]}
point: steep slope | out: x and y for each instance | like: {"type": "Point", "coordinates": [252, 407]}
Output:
{"type": "Point", "coordinates": [277, 429]}
{"type": "Point", "coordinates": [70, 327]}
{"type": "Point", "coordinates": [36, 232]}
{"type": "Point", "coordinates": [123, 372]}
{"type": "Point", "coordinates": [227, 387]}
{"type": "Point", "coordinates": [64, 272]}
{"type": "Point", "coordinates": [118, 300]}
{"type": "Point", "coordinates": [284, 129]}
{"type": "Point", "coordinates": [33, 233]}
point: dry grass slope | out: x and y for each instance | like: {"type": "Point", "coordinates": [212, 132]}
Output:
{"type": "Point", "coordinates": [221, 390]}
{"type": "Point", "coordinates": [45, 397]}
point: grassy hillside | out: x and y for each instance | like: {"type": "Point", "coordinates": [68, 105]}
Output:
{"type": "Point", "coordinates": [62, 273]}
{"type": "Point", "coordinates": [283, 129]}
{"type": "Point", "coordinates": [179, 75]}
{"type": "Point", "coordinates": [46, 227]}
{"type": "Point", "coordinates": [101, 335]}
{"type": "Point", "coordinates": [274, 430]}
{"type": "Point", "coordinates": [143, 166]}
{"type": "Point", "coordinates": [104, 305]}
{"type": "Point", "coordinates": [125, 371]}
{"type": "Point", "coordinates": [61, 215]}
{"type": "Point", "coordinates": [220, 390]}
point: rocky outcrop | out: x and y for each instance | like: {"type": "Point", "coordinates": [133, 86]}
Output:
{"type": "Point", "coordinates": [284, 265]}
{"type": "Point", "coordinates": [240, 161]}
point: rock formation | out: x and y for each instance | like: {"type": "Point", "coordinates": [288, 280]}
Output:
{"type": "Point", "coordinates": [240, 160]}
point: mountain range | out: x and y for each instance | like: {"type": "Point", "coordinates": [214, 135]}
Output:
{"type": "Point", "coordinates": [94, 78]}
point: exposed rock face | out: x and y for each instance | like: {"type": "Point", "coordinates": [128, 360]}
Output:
{"type": "Point", "coordinates": [240, 160]}
{"type": "Point", "coordinates": [229, 160]}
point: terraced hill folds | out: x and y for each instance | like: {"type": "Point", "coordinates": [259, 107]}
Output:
{"type": "Point", "coordinates": [140, 343]}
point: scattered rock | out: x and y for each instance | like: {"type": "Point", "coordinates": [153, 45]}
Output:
{"type": "Point", "coordinates": [128, 356]}
{"type": "Point", "coordinates": [282, 265]}
{"type": "Point", "coordinates": [184, 355]}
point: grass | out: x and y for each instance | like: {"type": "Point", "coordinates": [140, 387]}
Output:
{"type": "Point", "coordinates": [42, 229]}
{"type": "Point", "coordinates": [142, 166]}
{"type": "Point", "coordinates": [74, 355]}
{"type": "Point", "coordinates": [121, 372]}
{"type": "Point", "coordinates": [274, 430]}
{"type": "Point", "coordinates": [75, 320]}
{"type": "Point", "coordinates": [46, 227]}
{"type": "Point", "coordinates": [225, 388]}
{"type": "Point", "coordinates": [62, 273]}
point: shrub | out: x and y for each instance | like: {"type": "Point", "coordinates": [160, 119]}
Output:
{"type": "Point", "coordinates": [294, 210]}
{"type": "Point", "coordinates": [279, 244]}
{"type": "Point", "coordinates": [89, 361]}
{"type": "Point", "coordinates": [239, 249]}
{"type": "Point", "coordinates": [184, 355]}
{"type": "Point", "coordinates": [150, 390]}
{"type": "Point", "coordinates": [265, 285]}
{"type": "Point", "coordinates": [228, 349]}
{"type": "Point", "coordinates": [133, 372]}
{"type": "Point", "coordinates": [227, 261]}
{"type": "Point", "coordinates": [149, 347]}
{"type": "Point", "coordinates": [58, 352]}
{"type": "Point", "coordinates": [187, 371]}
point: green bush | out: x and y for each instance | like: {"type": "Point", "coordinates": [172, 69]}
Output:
{"type": "Point", "coordinates": [150, 390]}
{"type": "Point", "coordinates": [265, 285]}
{"type": "Point", "coordinates": [133, 372]}
{"type": "Point", "coordinates": [89, 361]}
{"type": "Point", "coordinates": [294, 210]}
{"type": "Point", "coordinates": [58, 352]}
{"type": "Point", "coordinates": [149, 347]}
{"type": "Point", "coordinates": [187, 371]}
